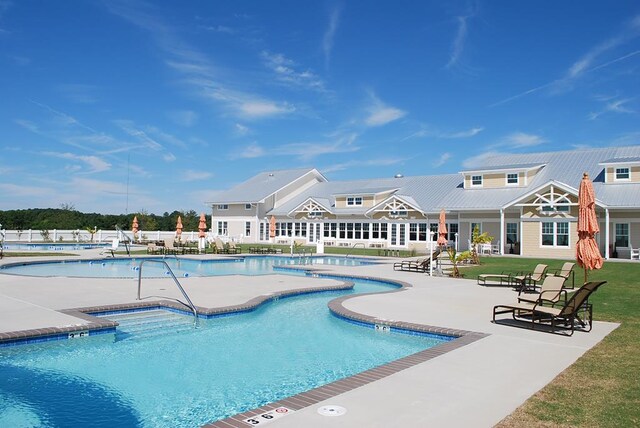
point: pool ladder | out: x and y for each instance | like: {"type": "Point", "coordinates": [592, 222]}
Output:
{"type": "Point", "coordinates": [189, 303]}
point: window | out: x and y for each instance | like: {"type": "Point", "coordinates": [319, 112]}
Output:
{"type": "Point", "coordinates": [413, 231]}
{"type": "Point", "coordinates": [476, 181]}
{"type": "Point", "coordinates": [354, 201]}
{"type": "Point", "coordinates": [247, 206]}
{"type": "Point", "coordinates": [262, 236]}
{"type": "Point", "coordinates": [512, 233]}
{"type": "Point", "coordinates": [433, 227]}
{"type": "Point", "coordinates": [343, 230]}
{"type": "Point", "coordinates": [400, 213]}
{"type": "Point", "coordinates": [622, 235]}
{"type": "Point", "coordinates": [358, 231]}
{"type": "Point", "coordinates": [223, 207]}
{"type": "Point", "coordinates": [375, 230]}
{"type": "Point", "coordinates": [622, 174]}
{"type": "Point", "coordinates": [247, 228]}
{"type": "Point", "coordinates": [560, 206]}
{"type": "Point", "coordinates": [223, 228]}
{"type": "Point", "coordinates": [555, 234]}
{"type": "Point", "coordinates": [512, 179]}
{"type": "Point", "coordinates": [315, 214]}
{"type": "Point", "coordinates": [365, 230]}
{"type": "Point", "coordinates": [349, 230]}
{"type": "Point", "coordinates": [422, 232]}
{"type": "Point", "coordinates": [452, 228]}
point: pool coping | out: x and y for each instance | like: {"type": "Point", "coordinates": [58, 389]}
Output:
{"type": "Point", "coordinates": [340, 386]}
{"type": "Point", "coordinates": [97, 325]}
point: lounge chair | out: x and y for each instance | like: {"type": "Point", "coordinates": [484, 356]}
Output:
{"type": "Point", "coordinates": [233, 248]}
{"type": "Point", "coordinates": [112, 250]}
{"type": "Point", "coordinates": [220, 248]}
{"type": "Point", "coordinates": [531, 280]}
{"type": "Point", "coordinates": [551, 289]}
{"type": "Point", "coordinates": [170, 248]}
{"type": "Point", "coordinates": [634, 254]}
{"type": "Point", "coordinates": [566, 271]}
{"type": "Point", "coordinates": [420, 265]}
{"type": "Point", "coordinates": [575, 310]}
{"type": "Point", "coordinates": [495, 279]}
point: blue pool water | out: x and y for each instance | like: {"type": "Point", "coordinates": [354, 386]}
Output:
{"type": "Point", "coordinates": [127, 268]}
{"type": "Point", "coordinates": [161, 372]}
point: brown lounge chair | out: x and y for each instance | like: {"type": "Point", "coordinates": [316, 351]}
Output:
{"type": "Point", "coordinates": [421, 265]}
{"type": "Point", "coordinates": [551, 290]}
{"type": "Point", "coordinates": [575, 310]}
{"type": "Point", "coordinates": [531, 280]}
{"type": "Point", "coordinates": [566, 271]}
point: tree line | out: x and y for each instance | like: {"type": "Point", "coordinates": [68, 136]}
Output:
{"type": "Point", "coordinates": [70, 219]}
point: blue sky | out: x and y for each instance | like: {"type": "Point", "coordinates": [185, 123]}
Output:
{"type": "Point", "coordinates": [129, 106]}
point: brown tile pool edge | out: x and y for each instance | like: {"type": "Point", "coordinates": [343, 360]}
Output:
{"type": "Point", "coordinates": [97, 325]}
{"type": "Point", "coordinates": [340, 386]}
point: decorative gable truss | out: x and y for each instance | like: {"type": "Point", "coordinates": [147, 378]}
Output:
{"type": "Point", "coordinates": [394, 207]}
{"type": "Point", "coordinates": [310, 209]}
{"type": "Point", "coordinates": [550, 200]}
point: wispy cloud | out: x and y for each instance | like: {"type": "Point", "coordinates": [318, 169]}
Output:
{"type": "Point", "coordinates": [191, 175]}
{"type": "Point", "coordinates": [78, 93]}
{"type": "Point", "coordinates": [285, 72]}
{"type": "Point", "coordinates": [613, 106]}
{"type": "Point", "coordinates": [330, 33]}
{"type": "Point", "coordinates": [520, 140]}
{"type": "Point", "coordinates": [149, 136]}
{"type": "Point", "coordinates": [253, 150]}
{"type": "Point", "coordinates": [433, 133]}
{"type": "Point", "coordinates": [241, 130]}
{"type": "Point", "coordinates": [478, 160]}
{"type": "Point", "coordinates": [363, 164]}
{"type": "Point", "coordinates": [584, 64]}
{"type": "Point", "coordinates": [442, 159]}
{"type": "Point", "coordinates": [94, 163]}
{"type": "Point", "coordinates": [195, 68]}
{"type": "Point", "coordinates": [381, 114]}
{"type": "Point", "coordinates": [220, 29]}
{"type": "Point", "coordinates": [185, 118]}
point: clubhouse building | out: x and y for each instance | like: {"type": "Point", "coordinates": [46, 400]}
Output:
{"type": "Point", "coordinates": [528, 203]}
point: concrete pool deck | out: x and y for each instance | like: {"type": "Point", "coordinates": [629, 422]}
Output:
{"type": "Point", "coordinates": [477, 384]}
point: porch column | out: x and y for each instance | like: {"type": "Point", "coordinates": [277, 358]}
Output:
{"type": "Point", "coordinates": [501, 232]}
{"type": "Point", "coordinates": [606, 234]}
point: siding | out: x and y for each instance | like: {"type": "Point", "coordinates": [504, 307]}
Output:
{"type": "Point", "coordinates": [531, 240]}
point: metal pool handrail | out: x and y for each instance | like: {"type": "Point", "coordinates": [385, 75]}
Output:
{"type": "Point", "coordinates": [175, 280]}
{"type": "Point", "coordinates": [354, 246]}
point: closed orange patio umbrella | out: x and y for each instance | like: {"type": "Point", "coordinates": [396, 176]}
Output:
{"type": "Point", "coordinates": [135, 226]}
{"type": "Point", "coordinates": [272, 227]}
{"type": "Point", "coordinates": [587, 252]}
{"type": "Point", "coordinates": [442, 229]}
{"type": "Point", "coordinates": [179, 227]}
{"type": "Point", "coordinates": [202, 226]}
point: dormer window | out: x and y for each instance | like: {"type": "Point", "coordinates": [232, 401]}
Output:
{"type": "Point", "coordinates": [247, 206]}
{"type": "Point", "coordinates": [476, 181]}
{"type": "Point", "coordinates": [223, 207]}
{"type": "Point", "coordinates": [353, 201]}
{"type": "Point", "coordinates": [622, 174]}
{"type": "Point", "coordinates": [512, 179]}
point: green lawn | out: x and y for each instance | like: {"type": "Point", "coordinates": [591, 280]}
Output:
{"type": "Point", "coordinates": [602, 389]}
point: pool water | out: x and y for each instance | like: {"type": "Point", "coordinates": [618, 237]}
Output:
{"type": "Point", "coordinates": [186, 377]}
{"type": "Point", "coordinates": [128, 267]}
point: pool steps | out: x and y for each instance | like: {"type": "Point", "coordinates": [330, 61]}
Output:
{"type": "Point", "coordinates": [149, 324]}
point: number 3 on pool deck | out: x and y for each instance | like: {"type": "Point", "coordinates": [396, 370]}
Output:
{"type": "Point", "coordinates": [252, 421]}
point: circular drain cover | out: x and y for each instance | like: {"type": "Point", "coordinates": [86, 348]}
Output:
{"type": "Point", "coordinates": [332, 410]}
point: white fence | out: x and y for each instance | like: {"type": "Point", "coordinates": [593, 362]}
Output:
{"type": "Point", "coordinates": [55, 235]}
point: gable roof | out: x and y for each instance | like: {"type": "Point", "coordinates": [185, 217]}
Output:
{"type": "Point", "coordinates": [261, 186]}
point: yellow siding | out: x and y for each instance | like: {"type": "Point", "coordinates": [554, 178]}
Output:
{"type": "Point", "coordinates": [531, 242]}
{"type": "Point", "coordinates": [635, 174]}
{"type": "Point", "coordinates": [492, 181]}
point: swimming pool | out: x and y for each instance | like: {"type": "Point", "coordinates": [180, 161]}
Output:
{"type": "Point", "coordinates": [50, 246]}
{"type": "Point", "coordinates": [128, 267]}
{"type": "Point", "coordinates": [172, 375]}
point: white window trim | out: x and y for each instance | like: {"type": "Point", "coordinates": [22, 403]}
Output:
{"type": "Point", "coordinates": [355, 201]}
{"type": "Point", "coordinates": [506, 179]}
{"type": "Point", "coordinates": [628, 234]}
{"type": "Point", "coordinates": [476, 185]}
{"type": "Point", "coordinates": [555, 235]}
{"type": "Point", "coordinates": [615, 173]}
{"type": "Point", "coordinates": [247, 205]}
{"type": "Point", "coordinates": [223, 207]}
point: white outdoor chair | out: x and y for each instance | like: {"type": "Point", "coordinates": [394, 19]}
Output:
{"type": "Point", "coordinates": [112, 250]}
{"type": "Point", "coordinates": [495, 248]}
{"type": "Point", "coordinates": [635, 254]}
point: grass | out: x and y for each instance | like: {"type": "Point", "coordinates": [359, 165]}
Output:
{"type": "Point", "coordinates": [602, 389]}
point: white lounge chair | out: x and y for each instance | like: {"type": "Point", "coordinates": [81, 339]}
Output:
{"type": "Point", "coordinates": [112, 250]}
